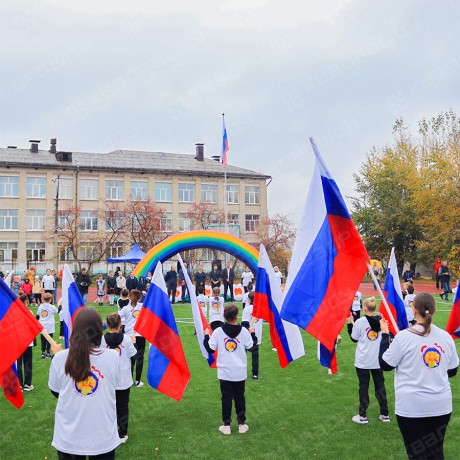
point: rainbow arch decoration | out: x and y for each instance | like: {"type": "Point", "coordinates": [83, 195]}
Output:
{"type": "Point", "coordinates": [185, 241]}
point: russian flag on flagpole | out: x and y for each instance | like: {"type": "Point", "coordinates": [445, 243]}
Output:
{"type": "Point", "coordinates": [327, 358]}
{"type": "Point", "coordinates": [268, 298]}
{"type": "Point", "coordinates": [167, 368]}
{"type": "Point", "coordinates": [328, 262]}
{"type": "Point", "coordinates": [72, 302]}
{"type": "Point", "coordinates": [17, 329]}
{"type": "Point", "coordinates": [453, 324]}
{"type": "Point", "coordinates": [393, 295]}
{"type": "Point", "coordinates": [199, 320]}
{"type": "Point", "coordinates": [225, 148]}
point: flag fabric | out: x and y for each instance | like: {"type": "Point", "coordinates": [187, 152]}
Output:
{"type": "Point", "coordinates": [328, 262]}
{"type": "Point", "coordinates": [453, 324]}
{"type": "Point", "coordinates": [17, 329]}
{"type": "Point", "coordinates": [8, 278]}
{"type": "Point", "coordinates": [72, 303]}
{"type": "Point", "coordinates": [327, 358]}
{"type": "Point", "coordinates": [167, 368]}
{"type": "Point", "coordinates": [268, 298]}
{"type": "Point", "coordinates": [225, 148]}
{"type": "Point", "coordinates": [394, 298]}
{"type": "Point", "coordinates": [199, 320]}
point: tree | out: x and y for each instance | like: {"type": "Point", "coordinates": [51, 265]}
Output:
{"type": "Point", "coordinates": [277, 234]}
{"type": "Point", "coordinates": [203, 214]}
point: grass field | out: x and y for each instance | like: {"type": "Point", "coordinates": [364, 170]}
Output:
{"type": "Point", "coordinates": [297, 412]}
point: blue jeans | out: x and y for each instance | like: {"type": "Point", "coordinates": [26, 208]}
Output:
{"type": "Point", "coordinates": [84, 297]}
{"type": "Point", "coordinates": [445, 285]}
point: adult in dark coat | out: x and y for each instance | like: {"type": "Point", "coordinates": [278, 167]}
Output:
{"type": "Point", "coordinates": [171, 283]}
{"type": "Point", "coordinates": [182, 281]}
{"type": "Point", "coordinates": [200, 279]}
{"type": "Point", "coordinates": [111, 287]}
{"type": "Point", "coordinates": [228, 275]}
{"type": "Point", "coordinates": [215, 276]}
{"type": "Point", "coordinates": [131, 282]}
{"type": "Point", "coordinates": [83, 281]}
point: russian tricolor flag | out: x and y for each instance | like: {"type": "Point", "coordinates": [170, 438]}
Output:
{"type": "Point", "coordinates": [167, 368]}
{"type": "Point", "coordinates": [394, 298]}
{"type": "Point", "coordinates": [17, 329]}
{"type": "Point", "coordinates": [72, 302]}
{"type": "Point", "coordinates": [268, 298]}
{"type": "Point", "coordinates": [223, 155]}
{"type": "Point", "coordinates": [328, 262]}
{"type": "Point", "coordinates": [453, 324]}
{"type": "Point", "coordinates": [199, 320]}
{"type": "Point", "coordinates": [327, 358]}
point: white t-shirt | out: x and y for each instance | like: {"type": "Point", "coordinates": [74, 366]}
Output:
{"type": "Point", "coordinates": [216, 309]}
{"type": "Point", "coordinates": [367, 348]}
{"type": "Point", "coordinates": [247, 315]}
{"type": "Point", "coordinates": [129, 316]}
{"type": "Point", "coordinates": [231, 355]}
{"type": "Point", "coordinates": [247, 278]}
{"type": "Point", "coordinates": [408, 306]}
{"type": "Point", "coordinates": [422, 387]}
{"type": "Point", "coordinates": [126, 350]}
{"type": "Point", "coordinates": [48, 282]}
{"type": "Point", "coordinates": [85, 421]}
{"type": "Point", "coordinates": [46, 314]}
{"type": "Point", "coordinates": [279, 276]}
{"type": "Point", "coordinates": [356, 305]}
{"type": "Point", "coordinates": [203, 301]}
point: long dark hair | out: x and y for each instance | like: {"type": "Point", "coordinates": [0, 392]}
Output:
{"type": "Point", "coordinates": [425, 306]}
{"type": "Point", "coordinates": [86, 337]}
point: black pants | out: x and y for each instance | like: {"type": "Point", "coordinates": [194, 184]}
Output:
{"type": "Point", "coordinates": [107, 456]}
{"type": "Point", "coordinates": [424, 437]}
{"type": "Point", "coordinates": [122, 397]}
{"type": "Point", "coordinates": [233, 391]}
{"type": "Point", "coordinates": [172, 293]}
{"type": "Point", "coordinates": [356, 314]}
{"type": "Point", "coordinates": [184, 290]}
{"type": "Point", "coordinates": [138, 358]}
{"type": "Point", "coordinates": [255, 360]}
{"type": "Point", "coordinates": [46, 347]}
{"type": "Point", "coordinates": [26, 361]}
{"type": "Point", "coordinates": [228, 286]}
{"type": "Point", "coordinates": [364, 377]}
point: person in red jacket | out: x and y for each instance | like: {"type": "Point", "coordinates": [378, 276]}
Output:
{"type": "Point", "coordinates": [436, 267]}
{"type": "Point", "coordinates": [26, 287]}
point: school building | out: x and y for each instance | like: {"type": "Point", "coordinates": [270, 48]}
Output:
{"type": "Point", "coordinates": [37, 184]}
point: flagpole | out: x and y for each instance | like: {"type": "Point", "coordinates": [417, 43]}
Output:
{"type": "Point", "coordinates": [384, 300]}
{"type": "Point", "coordinates": [54, 346]}
{"type": "Point", "coordinates": [225, 187]}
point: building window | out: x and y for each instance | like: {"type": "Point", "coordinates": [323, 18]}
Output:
{"type": "Point", "coordinates": [166, 222]}
{"type": "Point", "coordinates": [163, 192]}
{"type": "Point", "coordinates": [8, 252]}
{"type": "Point", "coordinates": [113, 220]}
{"type": "Point", "coordinates": [187, 193]}
{"type": "Point", "coordinates": [35, 251]}
{"type": "Point", "coordinates": [88, 220]}
{"type": "Point", "coordinates": [251, 194]}
{"type": "Point", "coordinates": [234, 219]}
{"type": "Point", "coordinates": [36, 187]}
{"type": "Point", "coordinates": [209, 193]}
{"type": "Point", "coordinates": [65, 253]}
{"type": "Point", "coordinates": [185, 223]}
{"type": "Point", "coordinates": [89, 189]}
{"type": "Point", "coordinates": [8, 219]}
{"type": "Point", "coordinates": [65, 220]}
{"type": "Point", "coordinates": [233, 194]}
{"type": "Point", "coordinates": [35, 219]}
{"type": "Point", "coordinates": [114, 190]}
{"type": "Point", "coordinates": [252, 220]}
{"type": "Point", "coordinates": [139, 190]}
{"type": "Point", "coordinates": [115, 249]}
{"type": "Point", "coordinates": [207, 254]}
{"type": "Point", "coordinates": [65, 188]}
{"type": "Point", "coordinates": [87, 251]}
{"type": "Point", "coordinates": [9, 186]}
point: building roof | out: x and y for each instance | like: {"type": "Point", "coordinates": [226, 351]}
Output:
{"type": "Point", "coordinates": [125, 161]}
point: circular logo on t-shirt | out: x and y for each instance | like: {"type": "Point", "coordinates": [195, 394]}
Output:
{"type": "Point", "coordinates": [135, 313]}
{"type": "Point", "coordinates": [231, 345]}
{"type": "Point", "coordinates": [201, 304]}
{"type": "Point", "coordinates": [411, 303]}
{"type": "Point", "coordinates": [431, 357]}
{"type": "Point", "coordinates": [216, 305]}
{"type": "Point", "coordinates": [44, 314]}
{"type": "Point", "coordinates": [88, 386]}
{"type": "Point", "coordinates": [371, 335]}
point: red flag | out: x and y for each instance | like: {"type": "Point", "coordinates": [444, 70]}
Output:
{"type": "Point", "coordinates": [11, 387]}
{"type": "Point", "coordinates": [453, 325]}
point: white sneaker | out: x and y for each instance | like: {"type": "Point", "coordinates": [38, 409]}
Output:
{"type": "Point", "coordinates": [243, 428]}
{"type": "Point", "coordinates": [384, 418]}
{"type": "Point", "coordinates": [138, 384]}
{"type": "Point", "coordinates": [274, 349]}
{"type": "Point", "coordinates": [28, 387]}
{"type": "Point", "coordinates": [123, 439]}
{"type": "Point", "coordinates": [225, 429]}
{"type": "Point", "coordinates": [359, 419]}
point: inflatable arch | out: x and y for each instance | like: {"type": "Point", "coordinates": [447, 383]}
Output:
{"type": "Point", "coordinates": [184, 241]}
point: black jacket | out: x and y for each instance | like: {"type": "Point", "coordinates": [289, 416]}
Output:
{"type": "Point", "coordinates": [228, 274]}
{"type": "Point", "coordinates": [171, 278]}
{"type": "Point", "coordinates": [83, 282]}
{"type": "Point", "coordinates": [131, 283]}
{"type": "Point", "coordinates": [200, 278]}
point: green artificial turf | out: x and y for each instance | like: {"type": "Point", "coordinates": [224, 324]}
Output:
{"type": "Point", "coordinates": [296, 412]}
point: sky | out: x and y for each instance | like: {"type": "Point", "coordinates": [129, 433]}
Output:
{"type": "Point", "coordinates": [157, 76]}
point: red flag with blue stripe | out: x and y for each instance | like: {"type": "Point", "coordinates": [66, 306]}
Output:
{"type": "Point", "coordinates": [453, 324]}
{"type": "Point", "coordinates": [225, 148]}
{"type": "Point", "coordinates": [394, 298]}
{"type": "Point", "coordinates": [328, 262]}
{"type": "Point", "coordinates": [72, 302]}
{"type": "Point", "coordinates": [167, 368]}
{"type": "Point", "coordinates": [327, 358]}
{"type": "Point", "coordinates": [17, 329]}
{"type": "Point", "coordinates": [268, 298]}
